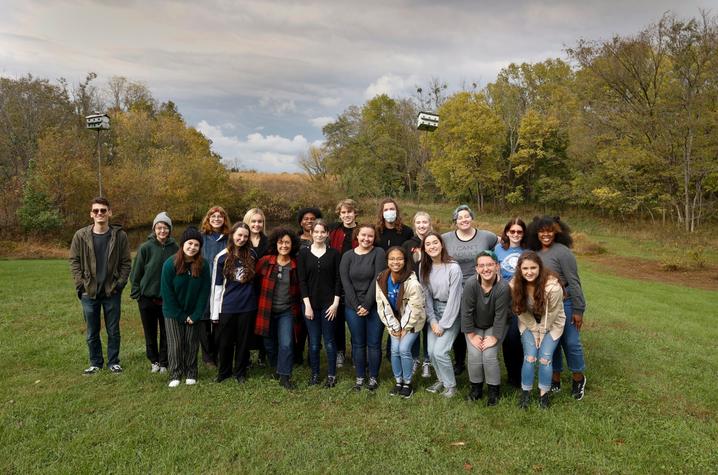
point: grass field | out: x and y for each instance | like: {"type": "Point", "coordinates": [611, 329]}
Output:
{"type": "Point", "coordinates": [650, 404]}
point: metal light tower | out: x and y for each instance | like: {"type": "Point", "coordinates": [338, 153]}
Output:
{"type": "Point", "coordinates": [98, 122]}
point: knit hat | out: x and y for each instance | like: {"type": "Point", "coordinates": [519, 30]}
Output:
{"type": "Point", "coordinates": [162, 217]}
{"type": "Point", "coordinates": [302, 211]}
{"type": "Point", "coordinates": [191, 233]}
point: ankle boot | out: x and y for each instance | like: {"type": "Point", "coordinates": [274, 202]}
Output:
{"type": "Point", "coordinates": [525, 399]}
{"type": "Point", "coordinates": [494, 395]}
{"type": "Point", "coordinates": [285, 382]}
{"type": "Point", "coordinates": [545, 400]}
{"type": "Point", "coordinates": [477, 392]}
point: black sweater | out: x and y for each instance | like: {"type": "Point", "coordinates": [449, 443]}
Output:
{"type": "Point", "coordinates": [319, 277]}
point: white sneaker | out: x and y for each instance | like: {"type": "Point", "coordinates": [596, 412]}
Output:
{"type": "Point", "coordinates": [115, 368]}
{"type": "Point", "coordinates": [91, 370]}
{"type": "Point", "coordinates": [174, 383]}
{"type": "Point", "coordinates": [190, 381]}
{"type": "Point", "coordinates": [163, 369]}
{"type": "Point", "coordinates": [426, 370]}
{"type": "Point", "coordinates": [155, 368]}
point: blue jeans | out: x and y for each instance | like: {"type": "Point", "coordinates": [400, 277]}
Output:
{"type": "Point", "coordinates": [280, 342]}
{"type": "Point", "coordinates": [401, 357]}
{"type": "Point", "coordinates": [366, 335]}
{"type": "Point", "coordinates": [570, 342]}
{"type": "Point", "coordinates": [543, 356]}
{"type": "Point", "coordinates": [423, 341]}
{"type": "Point", "coordinates": [91, 309]}
{"type": "Point", "coordinates": [316, 328]}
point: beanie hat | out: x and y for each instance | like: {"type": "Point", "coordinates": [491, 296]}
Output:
{"type": "Point", "coordinates": [162, 217]}
{"type": "Point", "coordinates": [191, 233]}
{"type": "Point", "coordinates": [302, 211]}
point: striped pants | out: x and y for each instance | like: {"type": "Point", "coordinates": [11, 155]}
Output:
{"type": "Point", "coordinates": [182, 345]}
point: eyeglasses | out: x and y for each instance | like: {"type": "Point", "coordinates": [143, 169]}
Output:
{"type": "Point", "coordinates": [485, 266]}
{"type": "Point", "coordinates": [513, 231]}
{"type": "Point", "coordinates": [99, 210]}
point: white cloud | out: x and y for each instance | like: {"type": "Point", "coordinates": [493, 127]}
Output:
{"type": "Point", "coordinates": [329, 101]}
{"type": "Point", "coordinates": [268, 153]}
{"type": "Point", "coordinates": [277, 106]}
{"type": "Point", "coordinates": [391, 85]}
{"type": "Point", "coordinates": [320, 122]}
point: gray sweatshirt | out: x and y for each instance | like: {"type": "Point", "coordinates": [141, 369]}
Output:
{"type": "Point", "coordinates": [561, 260]}
{"type": "Point", "coordinates": [479, 311]}
{"type": "Point", "coordinates": [465, 252]}
{"type": "Point", "coordinates": [358, 273]}
{"type": "Point", "coordinates": [445, 282]}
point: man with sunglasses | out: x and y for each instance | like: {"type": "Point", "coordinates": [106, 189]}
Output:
{"type": "Point", "coordinates": [100, 263]}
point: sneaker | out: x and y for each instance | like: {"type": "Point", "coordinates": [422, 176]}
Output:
{"type": "Point", "coordinates": [426, 370]}
{"type": "Point", "coordinates": [525, 399]}
{"type": "Point", "coordinates": [358, 384]}
{"type": "Point", "coordinates": [396, 390]}
{"type": "Point", "coordinates": [155, 368]}
{"type": "Point", "coordinates": [340, 359]}
{"type": "Point", "coordinates": [91, 370]}
{"type": "Point", "coordinates": [578, 388]}
{"type": "Point", "coordinates": [406, 391]}
{"type": "Point", "coordinates": [314, 380]}
{"type": "Point", "coordinates": [331, 382]}
{"type": "Point", "coordinates": [163, 369]}
{"type": "Point", "coordinates": [286, 383]}
{"type": "Point", "coordinates": [414, 367]}
{"type": "Point", "coordinates": [115, 368]}
{"type": "Point", "coordinates": [545, 400]}
{"type": "Point", "coordinates": [449, 392]}
{"type": "Point", "coordinates": [373, 384]}
{"type": "Point", "coordinates": [174, 383]}
{"type": "Point", "coordinates": [436, 387]}
{"type": "Point", "coordinates": [555, 386]}
{"type": "Point", "coordinates": [190, 382]}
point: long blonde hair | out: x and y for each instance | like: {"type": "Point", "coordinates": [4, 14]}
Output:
{"type": "Point", "coordinates": [248, 218]}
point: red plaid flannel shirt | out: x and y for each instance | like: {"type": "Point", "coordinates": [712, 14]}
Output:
{"type": "Point", "coordinates": [266, 275]}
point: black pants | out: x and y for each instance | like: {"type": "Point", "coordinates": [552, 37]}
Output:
{"type": "Point", "coordinates": [460, 351]}
{"type": "Point", "coordinates": [513, 352]}
{"type": "Point", "coordinates": [233, 336]}
{"type": "Point", "coordinates": [340, 332]}
{"type": "Point", "coordinates": [152, 320]}
{"type": "Point", "coordinates": [207, 340]}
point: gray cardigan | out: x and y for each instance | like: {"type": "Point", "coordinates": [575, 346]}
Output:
{"type": "Point", "coordinates": [445, 282]}
{"type": "Point", "coordinates": [561, 260]}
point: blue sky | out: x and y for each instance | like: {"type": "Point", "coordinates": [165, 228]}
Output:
{"type": "Point", "coordinates": [260, 78]}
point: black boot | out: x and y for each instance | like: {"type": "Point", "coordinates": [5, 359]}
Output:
{"type": "Point", "coordinates": [477, 392]}
{"type": "Point", "coordinates": [494, 395]}
{"type": "Point", "coordinates": [525, 399]}
{"type": "Point", "coordinates": [545, 400]}
{"type": "Point", "coordinates": [285, 382]}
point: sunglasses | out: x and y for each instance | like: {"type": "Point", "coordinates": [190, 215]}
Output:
{"type": "Point", "coordinates": [99, 210]}
{"type": "Point", "coordinates": [513, 231]}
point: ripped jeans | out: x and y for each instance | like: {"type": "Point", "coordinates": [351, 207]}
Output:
{"type": "Point", "coordinates": [543, 356]}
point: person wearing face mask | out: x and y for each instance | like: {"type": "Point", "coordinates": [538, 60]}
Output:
{"type": "Point", "coordinates": [484, 312]}
{"type": "Point", "coordinates": [145, 277]}
{"type": "Point", "coordinates": [390, 229]}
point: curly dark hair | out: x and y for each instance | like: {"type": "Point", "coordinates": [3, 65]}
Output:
{"type": "Point", "coordinates": [239, 257]}
{"type": "Point", "coordinates": [554, 223]}
{"type": "Point", "coordinates": [279, 233]}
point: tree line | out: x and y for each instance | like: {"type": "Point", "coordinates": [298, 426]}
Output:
{"type": "Point", "coordinates": [626, 126]}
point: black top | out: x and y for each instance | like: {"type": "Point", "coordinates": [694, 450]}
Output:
{"type": "Point", "coordinates": [261, 250]}
{"type": "Point", "coordinates": [100, 243]}
{"type": "Point", "coordinates": [390, 237]}
{"type": "Point", "coordinates": [319, 277]}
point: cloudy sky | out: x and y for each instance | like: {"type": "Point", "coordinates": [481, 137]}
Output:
{"type": "Point", "coordinates": [261, 78]}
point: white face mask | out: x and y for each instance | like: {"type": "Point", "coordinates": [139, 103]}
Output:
{"type": "Point", "coordinates": [389, 215]}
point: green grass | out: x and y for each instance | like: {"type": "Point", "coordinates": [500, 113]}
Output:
{"type": "Point", "coordinates": [650, 404]}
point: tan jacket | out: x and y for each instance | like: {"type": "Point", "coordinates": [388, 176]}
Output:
{"type": "Point", "coordinates": [553, 319]}
{"type": "Point", "coordinates": [83, 266]}
{"type": "Point", "coordinates": [411, 307]}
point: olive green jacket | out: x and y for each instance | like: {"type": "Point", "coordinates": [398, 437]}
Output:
{"type": "Point", "coordinates": [83, 266]}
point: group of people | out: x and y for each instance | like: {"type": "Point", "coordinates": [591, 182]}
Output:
{"type": "Point", "coordinates": [230, 289]}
